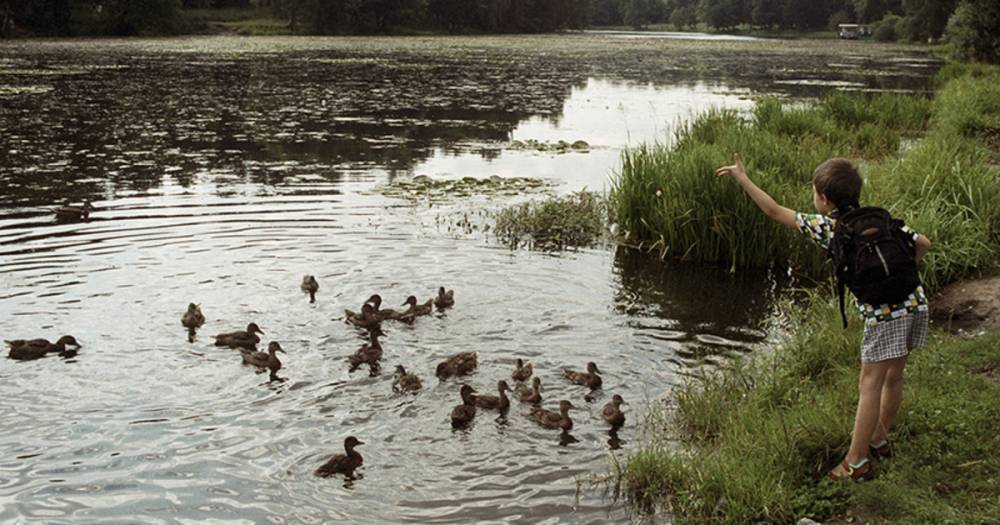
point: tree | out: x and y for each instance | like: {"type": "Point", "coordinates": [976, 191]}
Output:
{"type": "Point", "coordinates": [927, 18]}
{"type": "Point", "coordinates": [638, 13]}
{"type": "Point", "coordinates": [765, 13]}
{"type": "Point", "coordinates": [135, 17]}
{"type": "Point", "coordinates": [973, 29]}
{"type": "Point", "coordinates": [683, 17]}
{"type": "Point", "coordinates": [720, 14]}
{"type": "Point", "coordinates": [867, 11]}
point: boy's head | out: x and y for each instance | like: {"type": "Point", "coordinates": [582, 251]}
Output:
{"type": "Point", "coordinates": [836, 183]}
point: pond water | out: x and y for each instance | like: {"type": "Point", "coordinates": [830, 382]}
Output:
{"type": "Point", "coordinates": [224, 169]}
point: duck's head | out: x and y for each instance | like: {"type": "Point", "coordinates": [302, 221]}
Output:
{"type": "Point", "coordinates": [617, 400]}
{"type": "Point", "coordinates": [352, 442]}
{"type": "Point", "coordinates": [441, 291]}
{"type": "Point", "coordinates": [565, 406]}
{"type": "Point", "coordinates": [442, 369]}
{"type": "Point", "coordinates": [193, 308]}
{"type": "Point", "coordinates": [252, 328]}
{"type": "Point", "coordinates": [367, 309]}
{"type": "Point", "coordinates": [273, 347]}
{"type": "Point", "coordinates": [503, 387]}
{"type": "Point", "coordinates": [466, 392]}
{"type": "Point", "coordinates": [400, 371]}
{"type": "Point", "coordinates": [309, 279]}
{"type": "Point", "coordinates": [592, 368]}
{"type": "Point", "coordinates": [68, 340]}
{"type": "Point", "coordinates": [411, 300]}
{"type": "Point", "coordinates": [375, 300]}
{"type": "Point", "coordinates": [536, 383]}
{"type": "Point", "coordinates": [520, 363]}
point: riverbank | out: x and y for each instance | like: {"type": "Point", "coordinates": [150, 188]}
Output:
{"type": "Point", "coordinates": [750, 442]}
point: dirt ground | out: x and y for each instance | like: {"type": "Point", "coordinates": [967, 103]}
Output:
{"type": "Point", "coordinates": [968, 306]}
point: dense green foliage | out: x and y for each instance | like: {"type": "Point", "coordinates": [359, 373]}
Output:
{"type": "Point", "coordinates": [974, 29]}
{"type": "Point", "coordinates": [946, 185]}
{"type": "Point", "coordinates": [555, 223]}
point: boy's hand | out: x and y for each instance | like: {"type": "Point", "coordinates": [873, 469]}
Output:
{"type": "Point", "coordinates": [736, 170]}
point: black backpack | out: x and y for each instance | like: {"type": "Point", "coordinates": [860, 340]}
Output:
{"type": "Point", "coordinates": [873, 257]}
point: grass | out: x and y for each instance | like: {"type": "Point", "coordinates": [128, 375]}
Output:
{"type": "Point", "coordinates": [760, 434]}
{"type": "Point", "coordinates": [247, 22]}
{"type": "Point", "coordinates": [556, 223]}
{"type": "Point", "coordinates": [947, 185]}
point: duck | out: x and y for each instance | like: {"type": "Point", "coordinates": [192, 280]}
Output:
{"type": "Point", "coordinates": [69, 212]}
{"type": "Point", "coordinates": [27, 349]}
{"type": "Point", "coordinates": [522, 371]}
{"type": "Point", "coordinates": [588, 378]}
{"type": "Point", "coordinates": [381, 313]}
{"type": "Point", "coordinates": [550, 419]}
{"type": "Point", "coordinates": [344, 464]}
{"type": "Point", "coordinates": [310, 286]}
{"type": "Point", "coordinates": [369, 354]}
{"type": "Point", "coordinates": [415, 309]}
{"type": "Point", "coordinates": [531, 395]}
{"type": "Point", "coordinates": [246, 339]}
{"type": "Point", "coordinates": [463, 414]}
{"type": "Point", "coordinates": [612, 412]}
{"type": "Point", "coordinates": [444, 299]}
{"type": "Point", "coordinates": [193, 318]}
{"type": "Point", "coordinates": [265, 359]}
{"type": "Point", "coordinates": [405, 382]}
{"type": "Point", "coordinates": [364, 319]}
{"type": "Point", "coordinates": [500, 402]}
{"type": "Point", "coordinates": [458, 365]}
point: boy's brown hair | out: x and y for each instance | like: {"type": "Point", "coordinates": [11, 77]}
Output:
{"type": "Point", "coordinates": [839, 181]}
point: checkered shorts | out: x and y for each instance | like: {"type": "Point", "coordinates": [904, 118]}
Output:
{"type": "Point", "coordinates": [895, 338]}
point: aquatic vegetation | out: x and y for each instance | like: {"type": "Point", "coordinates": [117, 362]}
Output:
{"type": "Point", "coordinates": [556, 147]}
{"type": "Point", "coordinates": [423, 187]}
{"type": "Point", "coordinates": [575, 220]}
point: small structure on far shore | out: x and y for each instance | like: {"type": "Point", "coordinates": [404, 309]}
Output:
{"type": "Point", "coordinates": [854, 31]}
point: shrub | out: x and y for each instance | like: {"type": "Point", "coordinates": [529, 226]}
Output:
{"type": "Point", "coordinates": [885, 29]}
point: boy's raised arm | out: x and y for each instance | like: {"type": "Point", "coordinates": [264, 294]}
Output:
{"type": "Point", "coordinates": [779, 213]}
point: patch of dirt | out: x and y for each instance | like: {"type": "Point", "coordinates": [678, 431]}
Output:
{"type": "Point", "coordinates": [968, 305]}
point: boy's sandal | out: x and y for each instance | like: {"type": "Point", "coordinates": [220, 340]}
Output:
{"type": "Point", "coordinates": [883, 451]}
{"type": "Point", "coordinates": [844, 471]}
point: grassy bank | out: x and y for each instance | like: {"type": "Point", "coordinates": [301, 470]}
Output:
{"type": "Point", "coordinates": [928, 161]}
{"type": "Point", "coordinates": [749, 443]}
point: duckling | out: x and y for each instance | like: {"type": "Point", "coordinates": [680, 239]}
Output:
{"type": "Point", "coordinates": [69, 212]}
{"type": "Point", "coordinates": [444, 299]}
{"type": "Point", "coordinates": [588, 378]}
{"type": "Point", "coordinates": [458, 365]}
{"type": "Point", "coordinates": [550, 419]}
{"type": "Point", "coordinates": [612, 412]}
{"type": "Point", "coordinates": [365, 319]}
{"type": "Point", "coordinates": [193, 318]}
{"type": "Point", "coordinates": [24, 350]}
{"type": "Point", "coordinates": [531, 395]}
{"type": "Point", "coordinates": [522, 372]}
{"type": "Point", "coordinates": [405, 382]}
{"type": "Point", "coordinates": [500, 402]}
{"type": "Point", "coordinates": [463, 414]}
{"type": "Point", "coordinates": [344, 464]}
{"type": "Point", "coordinates": [265, 360]}
{"type": "Point", "coordinates": [415, 309]}
{"type": "Point", "coordinates": [369, 354]}
{"type": "Point", "coordinates": [310, 286]}
{"type": "Point", "coordinates": [381, 313]}
{"type": "Point", "coordinates": [247, 339]}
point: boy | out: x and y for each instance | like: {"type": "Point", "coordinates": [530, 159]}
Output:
{"type": "Point", "coordinates": [891, 330]}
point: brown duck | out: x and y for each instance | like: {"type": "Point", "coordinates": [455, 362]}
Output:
{"type": "Point", "coordinates": [344, 464]}
{"type": "Point", "coordinates": [27, 349]}
{"type": "Point", "coordinates": [588, 378]}
{"type": "Point", "coordinates": [382, 313]}
{"type": "Point", "coordinates": [405, 382]}
{"type": "Point", "coordinates": [612, 412]}
{"type": "Point", "coordinates": [458, 365]}
{"type": "Point", "coordinates": [463, 414]}
{"type": "Point", "coordinates": [550, 419]}
{"type": "Point", "coordinates": [69, 212]}
{"type": "Point", "coordinates": [310, 286]}
{"type": "Point", "coordinates": [498, 402]}
{"type": "Point", "coordinates": [415, 309]}
{"type": "Point", "coordinates": [369, 354]}
{"type": "Point", "coordinates": [522, 371]}
{"type": "Point", "coordinates": [193, 318]}
{"type": "Point", "coordinates": [444, 299]}
{"type": "Point", "coordinates": [364, 319]}
{"type": "Point", "coordinates": [531, 395]}
{"type": "Point", "coordinates": [245, 339]}
{"type": "Point", "coordinates": [268, 360]}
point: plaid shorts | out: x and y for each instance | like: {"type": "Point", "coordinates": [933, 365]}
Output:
{"type": "Point", "coordinates": [895, 338]}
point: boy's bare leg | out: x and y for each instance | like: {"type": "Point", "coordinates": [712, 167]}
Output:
{"type": "Point", "coordinates": [867, 416]}
{"type": "Point", "coordinates": [892, 397]}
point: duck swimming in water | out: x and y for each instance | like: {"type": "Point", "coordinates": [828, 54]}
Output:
{"type": "Point", "coordinates": [69, 212]}
{"type": "Point", "coordinates": [193, 318]}
{"type": "Point", "coordinates": [458, 365]}
{"type": "Point", "coordinates": [499, 402]}
{"type": "Point", "coordinates": [27, 349]}
{"type": "Point", "coordinates": [415, 309]}
{"type": "Point", "coordinates": [245, 339]}
{"type": "Point", "coordinates": [405, 382]}
{"type": "Point", "coordinates": [262, 360]}
{"type": "Point", "coordinates": [522, 371]}
{"type": "Point", "coordinates": [310, 286]}
{"type": "Point", "coordinates": [531, 395]}
{"type": "Point", "coordinates": [588, 378]}
{"type": "Point", "coordinates": [369, 354]}
{"type": "Point", "coordinates": [344, 464]}
{"type": "Point", "coordinates": [612, 412]}
{"type": "Point", "coordinates": [444, 299]}
{"type": "Point", "coordinates": [364, 319]}
{"type": "Point", "coordinates": [550, 419]}
{"type": "Point", "coordinates": [382, 313]}
{"type": "Point", "coordinates": [464, 414]}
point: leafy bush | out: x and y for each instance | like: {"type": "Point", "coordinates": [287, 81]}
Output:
{"type": "Point", "coordinates": [973, 30]}
{"type": "Point", "coordinates": [885, 29]}
{"type": "Point", "coordinates": [556, 223]}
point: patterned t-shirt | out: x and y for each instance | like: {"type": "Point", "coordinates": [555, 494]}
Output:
{"type": "Point", "coordinates": [819, 228]}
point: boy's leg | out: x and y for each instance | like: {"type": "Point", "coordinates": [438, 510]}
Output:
{"type": "Point", "coordinates": [867, 416]}
{"type": "Point", "coordinates": [892, 397]}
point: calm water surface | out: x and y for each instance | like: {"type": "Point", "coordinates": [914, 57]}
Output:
{"type": "Point", "coordinates": [224, 169]}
